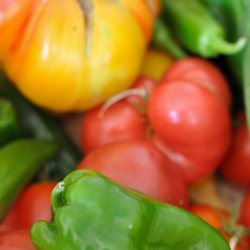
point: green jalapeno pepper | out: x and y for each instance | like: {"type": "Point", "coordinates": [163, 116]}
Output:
{"type": "Point", "coordinates": [198, 30]}
{"type": "Point", "coordinates": [92, 212]}
{"type": "Point", "coordinates": [231, 14]}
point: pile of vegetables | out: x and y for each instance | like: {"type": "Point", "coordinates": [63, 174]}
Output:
{"type": "Point", "coordinates": [160, 91]}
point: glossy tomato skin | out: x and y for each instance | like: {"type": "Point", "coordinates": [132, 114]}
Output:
{"type": "Point", "coordinates": [16, 240]}
{"type": "Point", "coordinates": [202, 72]}
{"type": "Point", "coordinates": [138, 164]}
{"type": "Point", "coordinates": [121, 121]}
{"type": "Point", "coordinates": [34, 204]}
{"type": "Point", "coordinates": [191, 122]}
{"type": "Point", "coordinates": [236, 166]}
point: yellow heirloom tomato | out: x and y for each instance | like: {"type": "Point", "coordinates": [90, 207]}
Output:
{"type": "Point", "coordinates": [71, 55]}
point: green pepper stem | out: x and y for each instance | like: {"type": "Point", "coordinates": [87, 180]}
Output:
{"type": "Point", "coordinates": [227, 48]}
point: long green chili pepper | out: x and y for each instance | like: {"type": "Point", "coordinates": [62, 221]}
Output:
{"type": "Point", "coordinates": [92, 212]}
{"type": "Point", "coordinates": [163, 39]}
{"type": "Point", "coordinates": [39, 124]}
{"type": "Point", "coordinates": [19, 161]}
{"type": "Point", "coordinates": [9, 125]}
{"type": "Point", "coordinates": [231, 14]}
{"type": "Point", "coordinates": [234, 16]}
{"type": "Point", "coordinates": [198, 30]}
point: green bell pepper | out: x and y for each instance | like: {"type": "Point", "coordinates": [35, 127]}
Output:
{"type": "Point", "coordinates": [19, 161]}
{"type": "Point", "coordinates": [92, 212]}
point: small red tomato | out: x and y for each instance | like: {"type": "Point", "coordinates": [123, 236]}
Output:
{"type": "Point", "coordinates": [216, 218]}
{"type": "Point", "coordinates": [202, 72]}
{"type": "Point", "coordinates": [236, 165]}
{"type": "Point", "coordinates": [191, 122]}
{"type": "Point", "coordinates": [213, 216]}
{"type": "Point", "coordinates": [121, 121]}
{"type": "Point", "coordinates": [34, 204]}
{"type": "Point", "coordinates": [16, 240]}
{"type": "Point", "coordinates": [138, 164]}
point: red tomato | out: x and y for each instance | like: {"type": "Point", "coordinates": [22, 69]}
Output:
{"type": "Point", "coordinates": [202, 72]}
{"type": "Point", "coordinates": [138, 164]}
{"type": "Point", "coordinates": [121, 121]}
{"type": "Point", "coordinates": [216, 218]}
{"type": "Point", "coordinates": [213, 216]}
{"type": "Point", "coordinates": [245, 210]}
{"type": "Point", "coordinates": [10, 222]}
{"type": "Point", "coordinates": [16, 240]}
{"type": "Point", "coordinates": [236, 166]}
{"type": "Point", "coordinates": [191, 122]}
{"type": "Point", "coordinates": [34, 204]}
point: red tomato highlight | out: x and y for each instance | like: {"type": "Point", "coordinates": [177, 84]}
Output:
{"type": "Point", "coordinates": [193, 123]}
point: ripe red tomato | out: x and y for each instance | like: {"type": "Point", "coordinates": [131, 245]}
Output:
{"type": "Point", "coordinates": [138, 164]}
{"type": "Point", "coordinates": [193, 123]}
{"type": "Point", "coordinates": [10, 222]}
{"type": "Point", "coordinates": [203, 72]}
{"type": "Point", "coordinates": [236, 166]}
{"type": "Point", "coordinates": [16, 240]}
{"type": "Point", "coordinates": [245, 210]}
{"type": "Point", "coordinates": [121, 121]}
{"type": "Point", "coordinates": [34, 204]}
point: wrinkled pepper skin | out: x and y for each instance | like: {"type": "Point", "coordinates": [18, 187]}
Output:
{"type": "Point", "coordinates": [71, 55]}
{"type": "Point", "coordinates": [91, 212]}
{"type": "Point", "coordinates": [19, 161]}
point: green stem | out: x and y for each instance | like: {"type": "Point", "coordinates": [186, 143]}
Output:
{"type": "Point", "coordinates": [228, 48]}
